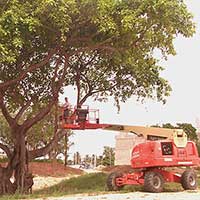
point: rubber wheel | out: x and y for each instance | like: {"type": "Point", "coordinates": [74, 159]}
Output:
{"type": "Point", "coordinates": [111, 181]}
{"type": "Point", "coordinates": [189, 180]}
{"type": "Point", "coordinates": [153, 182]}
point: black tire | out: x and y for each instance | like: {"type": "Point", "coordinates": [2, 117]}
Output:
{"type": "Point", "coordinates": [153, 182]}
{"type": "Point", "coordinates": [111, 181]}
{"type": "Point", "coordinates": [189, 180]}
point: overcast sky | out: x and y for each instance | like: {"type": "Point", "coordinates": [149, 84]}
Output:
{"type": "Point", "coordinates": [183, 73]}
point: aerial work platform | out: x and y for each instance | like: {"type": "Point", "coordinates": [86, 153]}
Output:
{"type": "Point", "coordinates": [86, 118]}
{"type": "Point", "coordinates": [167, 148]}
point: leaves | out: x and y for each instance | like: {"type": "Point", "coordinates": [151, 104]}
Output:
{"type": "Point", "coordinates": [121, 38]}
{"type": "Point", "coordinates": [103, 47]}
{"type": "Point", "coordinates": [189, 129]}
{"type": "Point", "coordinates": [108, 156]}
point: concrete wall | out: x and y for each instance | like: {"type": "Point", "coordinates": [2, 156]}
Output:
{"type": "Point", "coordinates": [123, 147]}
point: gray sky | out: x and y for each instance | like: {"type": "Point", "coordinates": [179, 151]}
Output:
{"type": "Point", "coordinates": [183, 73]}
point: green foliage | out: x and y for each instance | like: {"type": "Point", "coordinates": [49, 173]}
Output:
{"type": "Point", "coordinates": [5, 136]}
{"type": "Point", "coordinates": [189, 129]}
{"type": "Point", "coordinates": [167, 125]}
{"type": "Point", "coordinates": [108, 156]}
{"type": "Point", "coordinates": [27, 25]}
{"type": "Point", "coordinates": [42, 132]}
{"type": "Point", "coordinates": [103, 47]}
{"type": "Point", "coordinates": [29, 31]}
{"type": "Point", "coordinates": [38, 135]}
{"type": "Point", "coordinates": [120, 37]}
{"type": "Point", "coordinates": [120, 40]}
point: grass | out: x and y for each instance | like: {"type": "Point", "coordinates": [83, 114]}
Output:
{"type": "Point", "coordinates": [90, 183]}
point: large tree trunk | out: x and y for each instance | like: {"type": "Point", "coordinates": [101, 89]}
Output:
{"type": "Point", "coordinates": [18, 168]}
{"type": "Point", "coordinates": [18, 164]}
{"type": "Point", "coordinates": [21, 170]}
{"type": "Point", "coordinates": [6, 187]}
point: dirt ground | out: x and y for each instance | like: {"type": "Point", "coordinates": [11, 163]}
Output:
{"type": "Point", "coordinates": [192, 195]}
{"type": "Point", "coordinates": [48, 174]}
{"type": "Point", "coordinates": [53, 169]}
{"type": "Point", "coordinates": [124, 168]}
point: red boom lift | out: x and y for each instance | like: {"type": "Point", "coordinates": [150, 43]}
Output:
{"type": "Point", "coordinates": [149, 160]}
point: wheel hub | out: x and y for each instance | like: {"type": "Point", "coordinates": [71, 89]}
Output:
{"type": "Point", "coordinates": [156, 182]}
{"type": "Point", "coordinates": [192, 181]}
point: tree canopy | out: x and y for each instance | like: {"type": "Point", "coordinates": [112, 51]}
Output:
{"type": "Point", "coordinates": [108, 156]}
{"type": "Point", "coordinates": [121, 39]}
{"type": "Point", "coordinates": [109, 46]}
{"type": "Point", "coordinates": [188, 128]}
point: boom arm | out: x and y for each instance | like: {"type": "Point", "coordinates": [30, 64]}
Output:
{"type": "Point", "coordinates": [82, 119]}
{"type": "Point", "coordinates": [152, 133]}
{"type": "Point", "coordinates": [146, 132]}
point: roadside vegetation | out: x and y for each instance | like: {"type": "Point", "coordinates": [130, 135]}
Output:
{"type": "Point", "coordinates": [90, 184]}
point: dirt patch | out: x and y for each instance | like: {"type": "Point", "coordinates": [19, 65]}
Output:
{"type": "Point", "coordinates": [44, 182]}
{"type": "Point", "coordinates": [53, 169]}
{"type": "Point", "coordinates": [122, 168]}
{"type": "Point", "coordinates": [48, 174]}
{"type": "Point", "coordinates": [132, 196]}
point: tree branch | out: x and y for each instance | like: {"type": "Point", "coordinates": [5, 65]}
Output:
{"type": "Point", "coordinates": [88, 82]}
{"type": "Point", "coordinates": [31, 68]}
{"type": "Point", "coordinates": [22, 110]}
{"type": "Point", "coordinates": [82, 101]}
{"type": "Point", "coordinates": [56, 71]}
{"type": "Point", "coordinates": [45, 150]}
{"type": "Point", "coordinates": [62, 78]}
{"type": "Point", "coordinates": [5, 112]}
{"type": "Point", "coordinates": [44, 111]}
{"type": "Point", "coordinates": [39, 116]}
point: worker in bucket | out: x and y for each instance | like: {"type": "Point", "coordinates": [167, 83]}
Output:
{"type": "Point", "coordinates": [67, 108]}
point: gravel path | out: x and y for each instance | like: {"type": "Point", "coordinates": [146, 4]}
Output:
{"type": "Point", "coordinates": [193, 195]}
